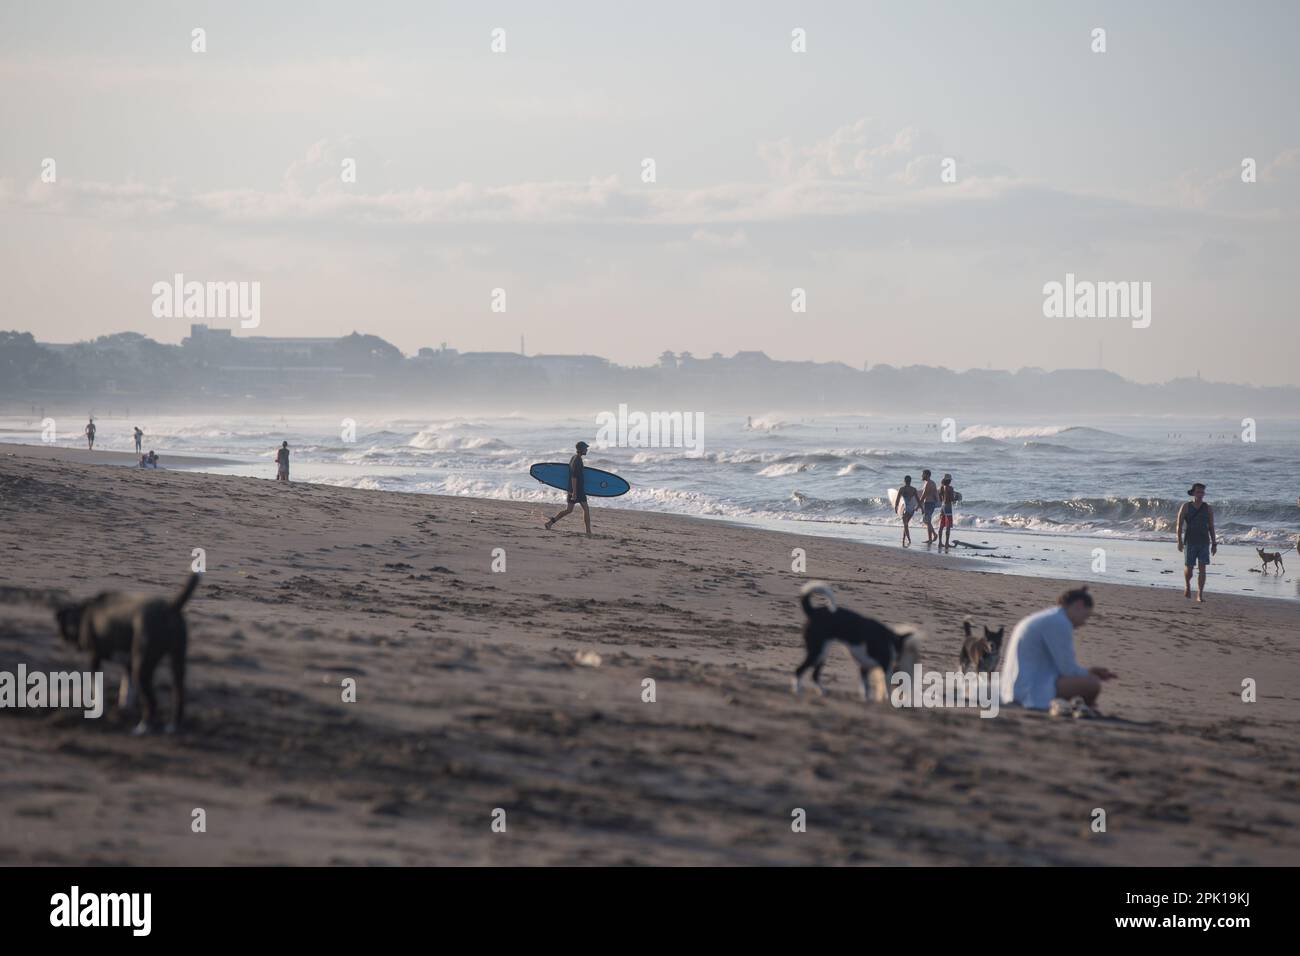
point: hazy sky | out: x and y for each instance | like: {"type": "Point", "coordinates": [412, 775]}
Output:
{"type": "Point", "coordinates": [522, 170]}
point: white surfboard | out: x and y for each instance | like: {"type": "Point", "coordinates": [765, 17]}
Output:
{"type": "Point", "coordinates": [893, 497]}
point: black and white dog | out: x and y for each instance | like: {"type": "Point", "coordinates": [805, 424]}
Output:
{"type": "Point", "coordinates": [879, 649]}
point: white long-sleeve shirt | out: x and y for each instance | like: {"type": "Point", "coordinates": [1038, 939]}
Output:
{"type": "Point", "coordinates": [1041, 649]}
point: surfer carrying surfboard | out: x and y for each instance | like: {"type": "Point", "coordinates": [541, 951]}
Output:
{"type": "Point", "coordinates": [907, 500]}
{"type": "Point", "coordinates": [577, 490]}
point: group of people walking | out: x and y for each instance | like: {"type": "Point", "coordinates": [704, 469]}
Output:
{"type": "Point", "coordinates": [929, 498]}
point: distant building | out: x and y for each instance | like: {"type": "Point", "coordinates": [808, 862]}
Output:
{"type": "Point", "coordinates": [561, 367]}
{"type": "Point", "coordinates": [493, 361]}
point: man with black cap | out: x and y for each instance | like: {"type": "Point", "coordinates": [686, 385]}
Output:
{"type": "Point", "coordinates": [577, 490]}
{"type": "Point", "coordinates": [1196, 539]}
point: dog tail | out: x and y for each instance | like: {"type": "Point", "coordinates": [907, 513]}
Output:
{"type": "Point", "coordinates": [965, 625]}
{"type": "Point", "coordinates": [179, 601]}
{"type": "Point", "coordinates": [911, 632]}
{"type": "Point", "coordinates": [816, 587]}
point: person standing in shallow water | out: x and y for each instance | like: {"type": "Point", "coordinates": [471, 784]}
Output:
{"type": "Point", "coordinates": [282, 462]}
{"type": "Point", "coordinates": [907, 501]}
{"type": "Point", "coordinates": [929, 499]}
{"type": "Point", "coordinates": [90, 434]}
{"type": "Point", "coordinates": [948, 496]}
{"type": "Point", "coordinates": [1196, 539]}
{"type": "Point", "coordinates": [577, 490]}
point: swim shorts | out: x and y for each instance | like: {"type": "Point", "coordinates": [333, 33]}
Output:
{"type": "Point", "coordinates": [1194, 554]}
{"type": "Point", "coordinates": [945, 520]}
{"type": "Point", "coordinates": [928, 508]}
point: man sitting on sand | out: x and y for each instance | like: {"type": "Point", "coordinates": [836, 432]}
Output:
{"type": "Point", "coordinates": [1038, 663]}
{"type": "Point", "coordinates": [1198, 518]}
{"type": "Point", "coordinates": [577, 490]}
{"type": "Point", "coordinates": [907, 500]}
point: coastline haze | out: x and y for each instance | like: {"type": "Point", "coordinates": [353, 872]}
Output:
{"type": "Point", "coordinates": [519, 171]}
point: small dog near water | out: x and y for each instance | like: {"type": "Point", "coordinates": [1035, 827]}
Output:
{"type": "Point", "coordinates": [146, 629]}
{"type": "Point", "coordinates": [880, 650]}
{"type": "Point", "coordinates": [980, 654]}
{"type": "Point", "coordinates": [1271, 557]}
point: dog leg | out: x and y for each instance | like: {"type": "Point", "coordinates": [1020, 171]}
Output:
{"type": "Point", "coordinates": [864, 683]}
{"type": "Point", "coordinates": [870, 674]}
{"type": "Point", "coordinates": [178, 689]}
{"type": "Point", "coordinates": [876, 680]}
{"type": "Point", "coordinates": [808, 664]}
{"type": "Point", "coordinates": [126, 695]}
{"type": "Point", "coordinates": [142, 678]}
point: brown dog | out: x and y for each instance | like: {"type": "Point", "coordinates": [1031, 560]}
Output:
{"type": "Point", "coordinates": [147, 629]}
{"type": "Point", "coordinates": [1271, 557]}
{"type": "Point", "coordinates": [980, 653]}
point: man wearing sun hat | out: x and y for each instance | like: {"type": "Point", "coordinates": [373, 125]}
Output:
{"type": "Point", "coordinates": [577, 490]}
{"type": "Point", "coordinates": [1196, 539]}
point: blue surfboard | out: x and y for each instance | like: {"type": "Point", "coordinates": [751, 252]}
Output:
{"type": "Point", "coordinates": [599, 484]}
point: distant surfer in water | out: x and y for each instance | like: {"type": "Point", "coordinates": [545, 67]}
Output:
{"type": "Point", "coordinates": [907, 500]}
{"type": "Point", "coordinates": [577, 490]}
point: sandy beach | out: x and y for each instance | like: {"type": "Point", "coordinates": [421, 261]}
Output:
{"type": "Point", "coordinates": [471, 697]}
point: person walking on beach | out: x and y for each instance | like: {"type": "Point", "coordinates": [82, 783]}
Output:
{"type": "Point", "coordinates": [282, 462]}
{"type": "Point", "coordinates": [948, 496]}
{"type": "Point", "coordinates": [90, 435]}
{"type": "Point", "coordinates": [1038, 663]}
{"type": "Point", "coordinates": [139, 439]}
{"type": "Point", "coordinates": [577, 490]}
{"type": "Point", "coordinates": [907, 500]}
{"type": "Point", "coordinates": [929, 498]}
{"type": "Point", "coordinates": [1196, 539]}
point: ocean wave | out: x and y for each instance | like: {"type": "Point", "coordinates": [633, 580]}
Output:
{"type": "Point", "coordinates": [435, 440]}
{"type": "Point", "coordinates": [1021, 432]}
{"type": "Point", "coordinates": [819, 456]}
{"type": "Point", "coordinates": [786, 468]}
{"type": "Point", "coordinates": [1048, 446]}
{"type": "Point", "coordinates": [1004, 432]}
